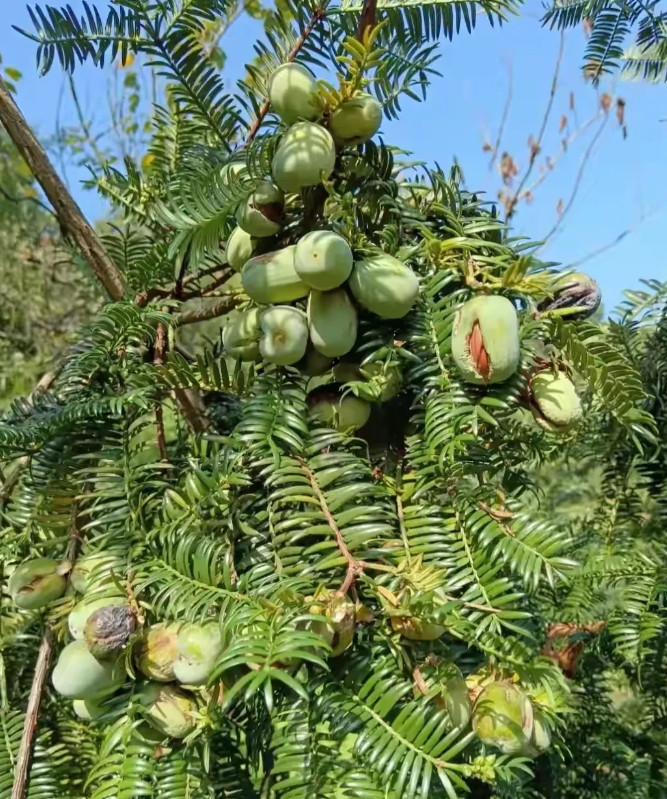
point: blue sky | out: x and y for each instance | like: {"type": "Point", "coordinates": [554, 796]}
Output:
{"type": "Point", "coordinates": [623, 184]}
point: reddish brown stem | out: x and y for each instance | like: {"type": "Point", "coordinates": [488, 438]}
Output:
{"type": "Point", "coordinates": [318, 15]}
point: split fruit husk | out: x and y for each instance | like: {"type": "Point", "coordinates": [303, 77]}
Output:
{"type": "Point", "coordinates": [306, 156]}
{"type": "Point", "coordinates": [82, 611]}
{"type": "Point", "coordinates": [384, 285]}
{"type": "Point", "coordinates": [332, 322]}
{"type": "Point", "coordinates": [79, 675]}
{"type": "Point", "coordinates": [108, 630]}
{"type": "Point", "coordinates": [356, 120]}
{"type": "Point", "coordinates": [36, 583]}
{"type": "Point", "coordinates": [323, 260]}
{"type": "Point", "coordinates": [157, 651]}
{"type": "Point", "coordinates": [577, 297]}
{"type": "Point", "coordinates": [272, 278]}
{"type": "Point", "coordinates": [293, 93]}
{"type": "Point", "coordinates": [241, 334]}
{"type": "Point", "coordinates": [284, 335]}
{"type": "Point", "coordinates": [262, 213]}
{"type": "Point", "coordinates": [485, 340]}
{"type": "Point", "coordinates": [556, 404]}
{"type": "Point", "coordinates": [503, 717]}
{"type": "Point", "coordinates": [168, 710]}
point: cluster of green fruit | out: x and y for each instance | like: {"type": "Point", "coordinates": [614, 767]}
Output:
{"type": "Point", "coordinates": [308, 295]}
{"type": "Point", "coordinates": [176, 659]}
{"type": "Point", "coordinates": [486, 349]}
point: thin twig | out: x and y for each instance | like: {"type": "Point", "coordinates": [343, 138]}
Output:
{"type": "Point", "coordinates": [318, 15]}
{"type": "Point", "coordinates": [212, 311]}
{"type": "Point", "coordinates": [35, 200]}
{"type": "Point", "coordinates": [354, 567]}
{"type": "Point", "coordinates": [537, 145]}
{"type": "Point", "coordinates": [506, 111]}
{"type": "Point", "coordinates": [69, 213]}
{"type": "Point", "coordinates": [85, 127]}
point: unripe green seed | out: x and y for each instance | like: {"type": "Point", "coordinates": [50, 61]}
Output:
{"type": "Point", "coordinates": [416, 629]}
{"type": "Point", "coordinates": [384, 285]}
{"type": "Point", "coordinates": [157, 652]}
{"type": "Point", "coordinates": [323, 260]}
{"type": "Point", "coordinates": [356, 121]}
{"type": "Point", "coordinates": [87, 709]}
{"type": "Point", "coordinates": [284, 335]}
{"type": "Point", "coordinates": [271, 278]}
{"type": "Point", "coordinates": [240, 336]}
{"type": "Point", "coordinates": [374, 382]}
{"type": "Point", "coordinates": [305, 156]}
{"type": "Point", "coordinates": [168, 710]}
{"type": "Point", "coordinates": [332, 322]}
{"type": "Point", "coordinates": [78, 675]}
{"type": "Point", "coordinates": [293, 93]}
{"type": "Point", "coordinates": [36, 583]}
{"type": "Point", "coordinates": [556, 405]}
{"type": "Point", "coordinates": [240, 247]}
{"type": "Point", "coordinates": [485, 340]}
{"type": "Point", "coordinates": [82, 611]}
{"type": "Point", "coordinates": [503, 717]}
{"type": "Point", "coordinates": [457, 698]}
{"type": "Point", "coordinates": [94, 569]}
{"type": "Point", "coordinates": [346, 414]}
{"type": "Point", "coordinates": [262, 214]}
{"type": "Point", "coordinates": [198, 648]}
{"type": "Point", "coordinates": [540, 740]}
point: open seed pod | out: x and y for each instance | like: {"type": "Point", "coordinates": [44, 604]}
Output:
{"type": "Point", "coordinates": [293, 93]}
{"type": "Point", "coordinates": [356, 120]}
{"type": "Point", "coordinates": [555, 403]}
{"type": "Point", "coordinates": [305, 156]}
{"type": "Point", "coordinates": [168, 710]}
{"type": "Point", "coordinates": [79, 675]}
{"type": "Point", "coordinates": [271, 278]}
{"type": "Point", "coordinates": [262, 214]}
{"type": "Point", "coordinates": [241, 334]}
{"type": "Point", "coordinates": [503, 717]}
{"type": "Point", "coordinates": [323, 260]}
{"type": "Point", "coordinates": [36, 583]}
{"type": "Point", "coordinates": [332, 322]}
{"type": "Point", "coordinates": [284, 335]}
{"type": "Point", "coordinates": [485, 339]}
{"type": "Point", "coordinates": [240, 247]}
{"type": "Point", "coordinates": [157, 652]}
{"type": "Point", "coordinates": [577, 296]}
{"type": "Point", "coordinates": [108, 630]}
{"type": "Point", "coordinates": [384, 285]}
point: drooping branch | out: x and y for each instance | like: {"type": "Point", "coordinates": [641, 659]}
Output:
{"type": "Point", "coordinates": [69, 214]}
{"type": "Point", "coordinates": [212, 311]}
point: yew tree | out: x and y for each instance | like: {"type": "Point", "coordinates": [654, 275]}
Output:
{"type": "Point", "coordinates": [271, 528]}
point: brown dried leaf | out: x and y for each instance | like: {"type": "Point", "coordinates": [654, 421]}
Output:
{"type": "Point", "coordinates": [620, 111]}
{"type": "Point", "coordinates": [559, 207]}
{"type": "Point", "coordinates": [605, 101]}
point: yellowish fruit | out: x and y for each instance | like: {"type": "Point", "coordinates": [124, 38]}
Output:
{"type": "Point", "coordinates": [384, 285]}
{"type": "Point", "coordinates": [323, 260]}
{"type": "Point", "coordinates": [305, 156]}
{"type": "Point", "coordinates": [168, 710]}
{"type": "Point", "coordinates": [271, 278]}
{"type": "Point", "coordinates": [503, 717]}
{"type": "Point", "coordinates": [293, 93]}
{"type": "Point", "coordinates": [284, 335]}
{"type": "Point", "coordinates": [332, 322]}
{"type": "Point", "coordinates": [557, 406]}
{"type": "Point", "coordinates": [240, 247]}
{"type": "Point", "coordinates": [240, 336]}
{"type": "Point", "coordinates": [198, 649]}
{"type": "Point", "coordinates": [157, 652]}
{"type": "Point", "coordinates": [357, 120]}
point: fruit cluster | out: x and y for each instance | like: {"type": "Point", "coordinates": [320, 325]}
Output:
{"type": "Point", "coordinates": [308, 295]}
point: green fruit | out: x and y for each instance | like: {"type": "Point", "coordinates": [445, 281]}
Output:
{"type": "Point", "coordinates": [332, 322]}
{"type": "Point", "coordinates": [503, 717]}
{"type": "Point", "coordinates": [271, 278]}
{"type": "Point", "coordinates": [485, 340]}
{"type": "Point", "coordinates": [262, 214]}
{"type": "Point", "coordinates": [341, 615]}
{"type": "Point", "coordinates": [305, 156]}
{"type": "Point", "coordinates": [198, 649]}
{"type": "Point", "coordinates": [87, 709]}
{"type": "Point", "coordinates": [457, 698]}
{"type": "Point", "coordinates": [94, 569]}
{"type": "Point", "coordinates": [384, 285]}
{"type": "Point", "coordinates": [36, 583]}
{"type": "Point", "coordinates": [108, 630]}
{"type": "Point", "coordinates": [556, 405]}
{"type": "Point", "coordinates": [323, 260]}
{"type": "Point", "coordinates": [240, 246]}
{"type": "Point", "coordinates": [284, 335]}
{"type": "Point", "coordinates": [293, 93]}
{"type": "Point", "coordinates": [240, 336]}
{"type": "Point", "coordinates": [356, 121]}
{"type": "Point", "coordinates": [81, 612]}
{"type": "Point", "coordinates": [168, 710]}
{"type": "Point", "coordinates": [236, 168]}
{"type": "Point", "coordinates": [540, 740]}
{"type": "Point", "coordinates": [416, 629]}
{"type": "Point", "coordinates": [157, 652]}
{"type": "Point", "coordinates": [375, 382]}
{"type": "Point", "coordinates": [314, 364]}
{"type": "Point", "coordinates": [78, 675]}
{"type": "Point", "coordinates": [346, 414]}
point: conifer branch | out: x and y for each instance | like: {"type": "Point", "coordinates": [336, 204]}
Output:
{"type": "Point", "coordinates": [158, 360]}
